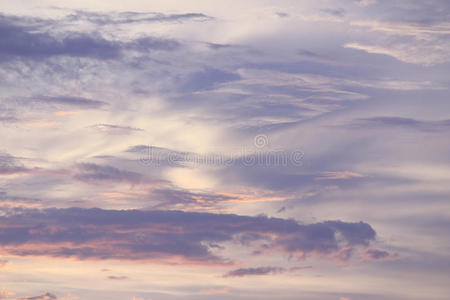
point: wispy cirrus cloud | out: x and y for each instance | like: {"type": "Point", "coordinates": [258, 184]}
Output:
{"type": "Point", "coordinates": [411, 33]}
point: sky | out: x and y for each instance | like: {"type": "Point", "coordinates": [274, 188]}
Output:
{"type": "Point", "coordinates": [164, 150]}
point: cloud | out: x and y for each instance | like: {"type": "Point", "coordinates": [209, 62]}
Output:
{"type": "Point", "coordinates": [166, 235]}
{"type": "Point", "coordinates": [337, 175]}
{"type": "Point", "coordinates": [420, 38]}
{"type": "Point", "coordinates": [206, 79]}
{"type": "Point", "coordinates": [134, 17]}
{"type": "Point", "coordinates": [117, 277]}
{"type": "Point", "coordinates": [282, 14]}
{"type": "Point", "coordinates": [46, 296]}
{"type": "Point", "coordinates": [337, 12]}
{"type": "Point", "coordinates": [35, 43]}
{"type": "Point", "coordinates": [366, 2]}
{"type": "Point", "coordinates": [145, 44]}
{"type": "Point", "coordinates": [399, 122]}
{"type": "Point", "coordinates": [88, 172]}
{"type": "Point", "coordinates": [68, 101]}
{"type": "Point", "coordinates": [173, 158]}
{"type": "Point", "coordinates": [5, 294]}
{"type": "Point", "coordinates": [254, 271]}
{"type": "Point", "coordinates": [10, 165]}
{"type": "Point", "coordinates": [7, 199]}
{"type": "Point", "coordinates": [18, 41]}
{"type": "Point", "coordinates": [174, 197]}
{"type": "Point", "coordinates": [8, 119]}
{"type": "Point", "coordinates": [3, 263]}
{"type": "Point", "coordinates": [12, 170]}
{"type": "Point", "coordinates": [262, 271]}
{"type": "Point", "coordinates": [215, 291]}
{"type": "Point", "coordinates": [424, 53]}
{"type": "Point", "coordinates": [378, 255]}
{"type": "Point", "coordinates": [216, 46]}
{"type": "Point", "coordinates": [115, 129]}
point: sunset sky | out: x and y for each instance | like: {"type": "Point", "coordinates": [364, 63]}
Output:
{"type": "Point", "coordinates": [164, 150]}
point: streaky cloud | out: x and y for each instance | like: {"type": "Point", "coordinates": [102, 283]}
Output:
{"type": "Point", "coordinates": [135, 17]}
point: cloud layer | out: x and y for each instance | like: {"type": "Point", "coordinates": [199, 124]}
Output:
{"type": "Point", "coordinates": [151, 235]}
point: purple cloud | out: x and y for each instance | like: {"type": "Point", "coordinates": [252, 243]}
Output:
{"type": "Point", "coordinates": [378, 255]}
{"type": "Point", "coordinates": [254, 271]}
{"type": "Point", "coordinates": [10, 165]}
{"type": "Point", "coordinates": [89, 172]}
{"type": "Point", "coordinates": [69, 101]}
{"type": "Point", "coordinates": [400, 122]}
{"type": "Point", "coordinates": [22, 38]}
{"type": "Point", "coordinates": [46, 296]}
{"type": "Point", "coordinates": [147, 235]}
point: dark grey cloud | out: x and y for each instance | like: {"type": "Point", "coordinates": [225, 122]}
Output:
{"type": "Point", "coordinates": [140, 235]}
{"type": "Point", "coordinates": [89, 172]}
